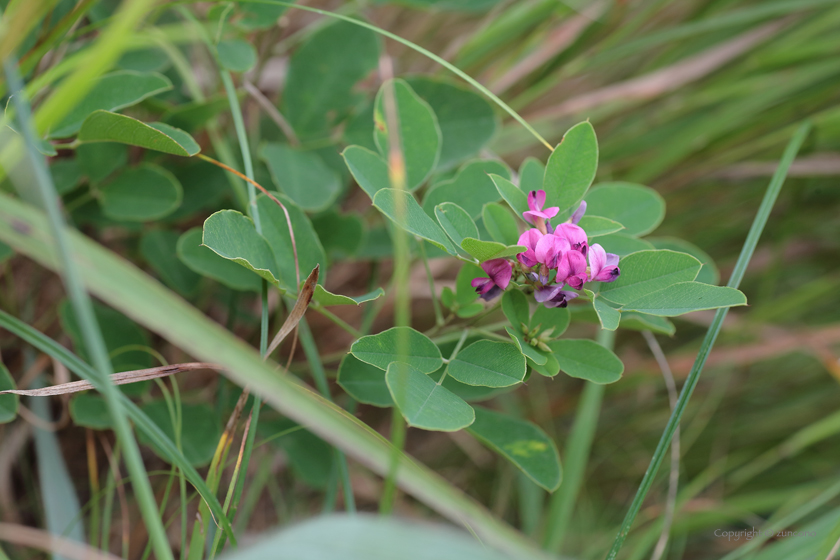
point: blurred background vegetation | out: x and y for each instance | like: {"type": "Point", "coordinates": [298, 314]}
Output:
{"type": "Point", "coordinates": [695, 98]}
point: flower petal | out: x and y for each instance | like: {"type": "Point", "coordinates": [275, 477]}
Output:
{"type": "Point", "coordinates": [597, 259]}
{"type": "Point", "coordinates": [581, 210]}
{"type": "Point", "coordinates": [499, 271]}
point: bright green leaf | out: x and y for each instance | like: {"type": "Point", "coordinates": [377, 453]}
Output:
{"type": "Point", "coordinates": [515, 308]}
{"type": "Point", "coordinates": [648, 271]}
{"type": "Point", "coordinates": [202, 260]}
{"type": "Point", "coordinates": [623, 244]}
{"type": "Point", "coordinates": [364, 382]}
{"type": "Point", "coordinates": [140, 194]}
{"type": "Point", "coordinates": [381, 349]}
{"type": "Point", "coordinates": [412, 218]}
{"type": "Point", "coordinates": [455, 222]}
{"type": "Point", "coordinates": [324, 297]}
{"type": "Point", "coordinates": [488, 250]}
{"type": "Point", "coordinates": [709, 273]}
{"type": "Point", "coordinates": [231, 235]}
{"type": "Point", "coordinates": [489, 364]}
{"type": "Point", "coordinates": [522, 443]}
{"type": "Point", "coordinates": [571, 169]}
{"type": "Point", "coordinates": [104, 126]}
{"type": "Point", "coordinates": [418, 131]}
{"type": "Point", "coordinates": [500, 224]}
{"type": "Point", "coordinates": [586, 359]}
{"type": "Point", "coordinates": [596, 226]}
{"type": "Point", "coordinates": [686, 297]}
{"type": "Point", "coordinates": [368, 168]}
{"type": "Point", "coordinates": [638, 208]}
{"type": "Point", "coordinates": [515, 198]}
{"type": "Point", "coordinates": [425, 404]}
{"type": "Point", "coordinates": [112, 92]}
{"type": "Point", "coordinates": [471, 188]}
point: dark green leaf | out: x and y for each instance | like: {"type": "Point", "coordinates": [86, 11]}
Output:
{"type": "Point", "coordinates": [411, 218]}
{"type": "Point", "coordinates": [489, 364]}
{"type": "Point", "coordinates": [381, 349]}
{"type": "Point", "coordinates": [488, 250]}
{"type": "Point", "coordinates": [104, 126]}
{"type": "Point", "coordinates": [66, 175]}
{"type": "Point", "coordinates": [596, 226]}
{"type": "Point", "coordinates": [364, 382]}
{"type": "Point", "coordinates": [522, 443]}
{"type": "Point", "coordinates": [207, 263]}
{"type": "Point", "coordinates": [236, 55]}
{"type": "Point", "coordinates": [515, 308]}
{"type": "Point", "coordinates": [89, 410]}
{"type": "Point", "coordinates": [232, 236]}
{"type": "Point", "coordinates": [159, 248]}
{"type": "Point", "coordinates": [98, 161]}
{"type": "Point", "coordinates": [368, 168]}
{"type": "Point", "coordinates": [199, 428]}
{"type": "Point", "coordinates": [500, 224]}
{"type": "Point", "coordinates": [586, 359]}
{"type": "Point", "coordinates": [140, 194]}
{"type": "Point", "coordinates": [302, 176]}
{"type": "Point", "coordinates": [8, 403]}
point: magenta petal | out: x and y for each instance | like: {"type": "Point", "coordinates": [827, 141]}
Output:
{"type": "Point", "coordinates": [530, 238]}
{"type": "Point", "coordinates": [499, 271]}
{"type": "Point", "coordinates": [608, 274]}
{"type": "Point", "coordinates": [550, 212]}
{"type": "Point", "coordinates": [528, 258]}
{"type": "Point", "coordinates": [545, 251]}
{"type": "Point", "coordinates": [597, 259]}
{"type": "Point", "coordinates": [536, 200]}
{"type": "Point", "coordinates": [574, 234]}
{"type": "Point", "coordinates": [531, 216]}
{"type": "Point", "coordinates": [612, 259]}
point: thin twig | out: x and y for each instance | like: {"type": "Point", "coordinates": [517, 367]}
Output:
{"type": "Point", "coordinates": [674, 479]}
{"type": "Point", "coordinates": [272, 112]}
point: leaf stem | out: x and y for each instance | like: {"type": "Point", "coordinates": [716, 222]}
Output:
{"type": "Point", "coordinates": [457, 349]}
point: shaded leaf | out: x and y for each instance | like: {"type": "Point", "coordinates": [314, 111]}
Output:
{"type": "Point", "coordinates": [159, 248]}
{"type": "Point", "coordinates": [302, 176]}
{"type": "Point", "coordinates": [364, 382]}
{"type": "Point", "coordinates": [522, 443]}
{"type": "Point", "coordinates": [199, 426]}
{"type": "Point", "coordinates": [140, 194]}
{"type": "Point", "coordinates": [236, 55]}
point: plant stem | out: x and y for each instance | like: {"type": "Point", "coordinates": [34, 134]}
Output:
{"type": "Point", "coordinates": [562, 503]}
{"type": "Point", "coordinates": [83, 309]}
{"type": "Point", "coordinates": [457, 349]}
{"type": "Point", "coordinates": [711, 335]}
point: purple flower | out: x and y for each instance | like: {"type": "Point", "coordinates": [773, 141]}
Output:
{"type": "Point", "coordinates": [536, 214]}
{"type": "Point", "coordinates": [572, 270]}
{"type": "Point", "coordinates": [550, 249]}
{"type": "Point", "coordinates": [529, 239]}
{"type": "Point", "coordinates": [603, 266]}
{"type": "Point", "coordinates": [574, 235]}
{"type": "Point", "coordinates": [553, 296]}
{"type": "Point", "coordinates": [499, 272]}
{"type": "Point", "coordinates": [578, 213]}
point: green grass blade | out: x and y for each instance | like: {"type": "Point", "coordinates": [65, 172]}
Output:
{"type": "Point", "coordinates": [576, 457]}
{"type": "Point", "coordinates": [128, 289]}
{"type": "Point", "coordinates": [711, 335]}
{"type": "Point", "coordinates": [140, 419]}
{"type": "Point", "coordinates": [83, 308]}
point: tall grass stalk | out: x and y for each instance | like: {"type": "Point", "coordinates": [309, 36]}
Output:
{"type": "Point", "coordinates": [757, 228]}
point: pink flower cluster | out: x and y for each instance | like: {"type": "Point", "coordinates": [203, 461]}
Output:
{"type": "Point", "coordinates": [555, 258]}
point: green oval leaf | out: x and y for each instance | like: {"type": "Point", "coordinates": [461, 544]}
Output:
{"type": "Point", "coordinates": [275, 229]}
{"type": "Point", "coordinates": [236, 55]}
{"type": "Point", "coordinates": [467, 121]}
{"type": "Point", "coordinates": [515, 307]}
{"type": "Point", "coordinates": [531, 174]}
{"type": "Point", "coordinates": [364, 382]}
{"type": "Point", "coordinates": [489, 364]}
{"type": "Point", "coordinates": [455, 222]}
{"type": "Point", "coordinates": [205, 262]}
{"type": "Point", "coordinates": [302, 176]}
{"type": "Point", "coordinates": [104, 126]}
{"type": "Point", "coordinates": [321, 76]}
{"type": "Point", "coordinates": [638, 208]}
{"type": "Point", "coordinates": [368, 168]}
{"type": "Point", "coordinates": [89, 410]}
{"type": "Point", "coordinates": [555, 318]}
{"type": "Point", "coordinates": [515, 198]}
{"type": "Point", "coordinates": [623, 244]}
{"type": "Point", "coordinates": [571, 169]}
{"type": "Point", "coordinates": [323, 297]}
{"type": "Point", "coordinates": [112, 92]}
{"type": "Point", "coordinates": [500, 224]}
{"type": "Point", "coordinates": [686, 297]}
{"type": "Point", "coordinates": [709, 273]}
{"type": "Point", "coordinates": [232, 236]}
{"type": "Point", "coordinates": [586, 359]}
{"type": "Point", "coordinates": [412, 218]}
{"type": "Point", "coordinates": [471, 188]}
{"type": "Point", "coordinates": [381, 349]}
{"type": "Point", "coordinates": [608, 316]}
{"type": "Point", "coordinates": [159, 248]}
{"type": "Point", "coordinates": [140, 194]}
{"type": "Point", "coordinates": [418, 131]}
{"type": "Point", "coordinates": [649, 271]}
{"type": "Point", "coordinates": [522, 443]}
{"type": "Point", "coordinates": [488, 250]}
{"type": "Point", "coordinates": [596, 226]}
{"type": "Point", "coordinates": [425, 404]}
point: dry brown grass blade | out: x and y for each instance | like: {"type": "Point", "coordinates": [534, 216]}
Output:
{"type": "Point", "coordinates": [122, 378]}
{"type": "Point", "coordinates": [42, 540]}
{"type": "Point", "coordinates": [304, 297]}
{"type": "Point", "coordinates": [666, 79]}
